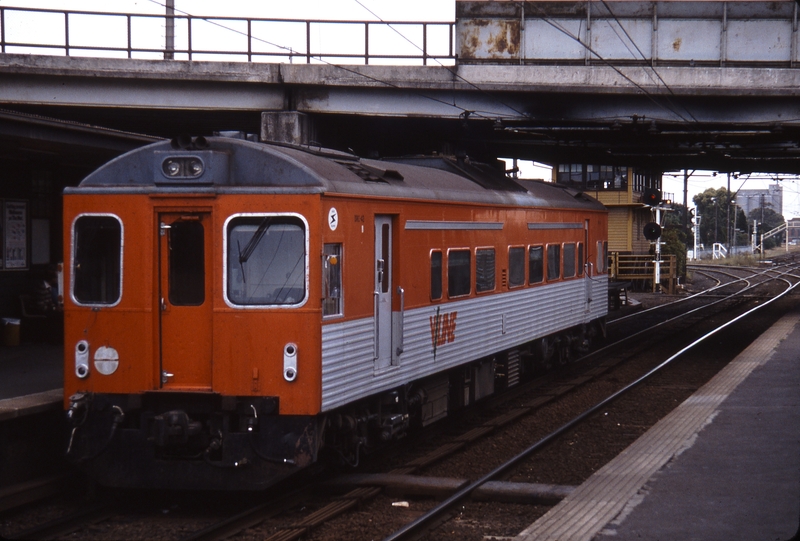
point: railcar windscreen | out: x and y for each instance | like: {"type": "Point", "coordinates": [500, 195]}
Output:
{"type": "Point", "coordinates": [96, 259]}
{"type": "Point", "coordinates": [266, 260]}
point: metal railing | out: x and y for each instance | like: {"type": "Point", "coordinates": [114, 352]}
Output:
{"type": "Point", "coordinates": [143, 36]}
{"type": "Point", "coordinates": [633, 268]}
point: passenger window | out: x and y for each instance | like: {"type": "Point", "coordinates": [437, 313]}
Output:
{"type": "Point", "coordinates": [516, 266]}
{"type": "Point", "coordinates": [569, 260]}
{"type": "Point", "coordinates": [535, 264]}
{"type": "Point", "coordinates": [97, 260]}
{"type": "Point", "coordinates": [459, 279]}
{"type": "Point", "coordinates": [266, 260]}
{"type": "Point", "coordinates": [436, 275]}
{"type": "Point", "coordinates": [581, 259]}
{"type": "Point", "coordinates": [484, 269]}
{"type": "Point", "coordinates": [332, 280]}
{"type": "Point", "coordinates": [553, 262]}
{"type": "Point", "coordinates": [187, 272]}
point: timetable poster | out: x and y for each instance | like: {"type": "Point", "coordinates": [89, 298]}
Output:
{"type": "Point", "coordinates": [15, 228]}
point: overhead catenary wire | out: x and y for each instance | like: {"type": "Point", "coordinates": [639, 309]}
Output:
{"type": "Point", "coordinates": [464, 112]}
{"type": "Point", "coordinates": [543, 16]}
{"type": "Point", "coordinates": [452, 71]}
{"type": "Point", "coordinates": [636, 46]}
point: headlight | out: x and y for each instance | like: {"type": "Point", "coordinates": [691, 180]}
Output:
{"type": "Point", "coordinates": [172, 168]}
{"type": "Point", "coordinates": [182, 167]}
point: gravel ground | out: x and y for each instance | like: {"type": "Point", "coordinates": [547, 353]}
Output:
{"type": "Point", "coordinates": [568, 461]}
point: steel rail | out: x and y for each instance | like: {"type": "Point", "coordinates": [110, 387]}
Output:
{"type": "Point", "coordinates": [693, 296]}
{"type": "Point", "coordinates": [413, 527]}
{"type": "Point", "coordinates": [69, 523]}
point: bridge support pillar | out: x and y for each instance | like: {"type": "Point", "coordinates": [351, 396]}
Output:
{"type": "Point", "coordinates": [286, 127]}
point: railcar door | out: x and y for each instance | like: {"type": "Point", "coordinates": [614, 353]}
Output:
{"type": "Point", "coordinates": [383, 292]}
{"type": "Point", "coordinates": [185, 300]}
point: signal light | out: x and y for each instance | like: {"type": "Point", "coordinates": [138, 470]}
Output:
{"type": "Point", "coordinates": [652, 231]}
{"type": "Point", "coordinates": [651, 197]}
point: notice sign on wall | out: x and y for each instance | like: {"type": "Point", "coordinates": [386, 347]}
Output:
{"type": "Point", "coordinates": [15, 221]}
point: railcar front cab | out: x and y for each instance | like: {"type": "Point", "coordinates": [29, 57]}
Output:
{"type": "Point", "coordinates": [130, 416]}
{"type": "Point", "coordinates": [265, 267]}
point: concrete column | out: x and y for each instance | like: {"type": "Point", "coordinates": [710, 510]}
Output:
{"type": "Point", "coordinates": [289, 127]}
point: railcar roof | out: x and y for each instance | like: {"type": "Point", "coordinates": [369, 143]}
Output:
{"type": "Point", "coordinates": [240, 166]}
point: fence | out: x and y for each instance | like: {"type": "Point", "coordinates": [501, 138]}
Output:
{"type": "Point", "coordinates": [150, 36]}
{"type": "Point", "coordinates": [640, 270]}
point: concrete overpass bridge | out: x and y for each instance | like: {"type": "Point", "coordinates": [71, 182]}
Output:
{"type": "Point", "coordinates": [649, 85]}
{"type": "Point", "coordinates": [663, 85]}
{"type": "Point", "coordinates": [728, 119]}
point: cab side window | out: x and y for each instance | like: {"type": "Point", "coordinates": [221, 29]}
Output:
{"type": "Point", "coordinates": [332, 280]}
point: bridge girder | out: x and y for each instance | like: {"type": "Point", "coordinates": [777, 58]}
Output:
{"type": "Point", "coordinates": [727, 119]}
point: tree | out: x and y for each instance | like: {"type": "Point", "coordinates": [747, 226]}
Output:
{"type": "Point", "coordinates": [675, 237]}
{"type": "Point", "coordinates": [675, 244]}
{"type": "Point", "coordinates": [718, 217]}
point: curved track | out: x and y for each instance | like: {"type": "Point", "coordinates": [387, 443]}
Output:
{"type": "Point", "coordinates": [414, 528]}
{"type": "Point", "coordinates": [259, 508]}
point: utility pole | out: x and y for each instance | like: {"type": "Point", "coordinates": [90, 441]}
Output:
{"type": "Point", "coordinates": [762, 225]}
{"type": "Point", "coordinates": [169, 46]}
{"type": "Point", "coordinates": [685, 199]}
{"type": "Point", "coordinates": [728, 217]}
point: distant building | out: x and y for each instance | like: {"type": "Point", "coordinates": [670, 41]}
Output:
{"type": "Point", "coordinates": [772, 198]}
{"type": "Point", "coordinates": [793, 232]}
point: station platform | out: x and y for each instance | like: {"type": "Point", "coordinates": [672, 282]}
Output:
{"type": "Point", "coordinates": [724, 465]}
{"type": "Point", "coordinates": [31, 379]}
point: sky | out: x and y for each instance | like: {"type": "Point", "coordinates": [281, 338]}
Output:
{"type": "Point", "coordinates": [403, 10]}
{"type": "Point", "coordinates": [359, 10]}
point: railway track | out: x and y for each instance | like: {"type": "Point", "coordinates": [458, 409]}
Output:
{"type": "Point", "coordinates": [433, 516]}
{"type": "Point", "coordinates": [275, 520]}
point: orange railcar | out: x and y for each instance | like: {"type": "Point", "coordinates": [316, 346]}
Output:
{"type": "Point", "coordinates": [234, 309]}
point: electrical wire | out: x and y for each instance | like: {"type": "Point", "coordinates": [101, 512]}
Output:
{"type": "Point", "coordinates": [452, 72]}
{"type": "Point", "coordinates": [464, 112]}
{"type": "Point", "coordinates": [608, 63]}
{"type": "Point", "coordinates": [655, 71]}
